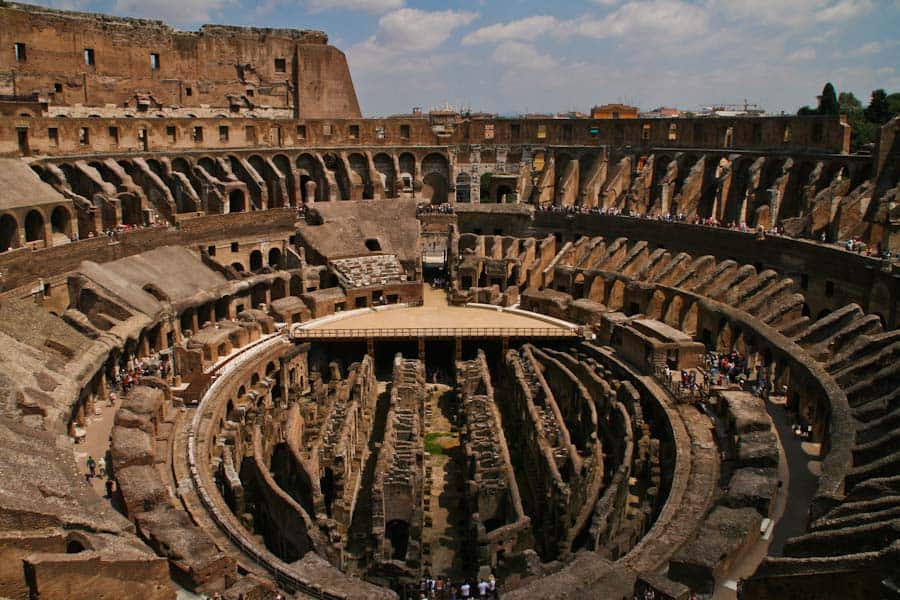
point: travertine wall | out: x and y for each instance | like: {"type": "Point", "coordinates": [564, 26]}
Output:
{"type": "Point", "coordinates": [218, 66]}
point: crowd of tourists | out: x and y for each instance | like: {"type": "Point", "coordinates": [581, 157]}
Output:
{"type": "Point", "coordinates": [445, 588]}
{"type": "Point", "coordinates": [434, 209]}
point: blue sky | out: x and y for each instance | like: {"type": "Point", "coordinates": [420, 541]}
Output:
{"type": "Point", "coordinates": [513, 56]}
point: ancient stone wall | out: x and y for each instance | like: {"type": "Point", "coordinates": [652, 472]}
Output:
{"type": "Point", "coordinates": [499, 523]}
{"type": "Point", "coordinates": [98, 60]}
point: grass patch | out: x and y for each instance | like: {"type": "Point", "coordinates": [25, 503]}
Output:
{"type": "Point", "coordinates": [438, 441]}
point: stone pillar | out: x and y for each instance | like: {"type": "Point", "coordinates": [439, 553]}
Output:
{"type": "Point", "coordinates": [310, 192]}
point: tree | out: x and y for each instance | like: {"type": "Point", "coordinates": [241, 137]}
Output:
{"type": "Point", "coordinates": [878, 110]}
{"type": "Point", "coordinates": [828, 102]}
{"type": "Point", "coordinates": [849, 103]}
{"type": "Point", "coordinates": [894, 104]}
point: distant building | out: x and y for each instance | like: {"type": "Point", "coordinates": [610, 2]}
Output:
{"type": "Point", "coordinates": [661, 112]}
{"type": "Point", "coordinates": [614, 111]}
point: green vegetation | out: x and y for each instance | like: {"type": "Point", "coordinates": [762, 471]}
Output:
{"type": "Point", "coordinates": [865, 122]}
{"type": "Point", "coordinates": [433, 443]}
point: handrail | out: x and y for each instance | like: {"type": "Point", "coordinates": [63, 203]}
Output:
{"type": "Point", "coordinates": [431, 332]}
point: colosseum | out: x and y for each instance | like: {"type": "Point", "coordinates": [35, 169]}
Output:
{"type": "Point", "coordinates": [256, 346]}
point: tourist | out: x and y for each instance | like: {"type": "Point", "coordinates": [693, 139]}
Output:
{"type": "Point", "coordinates": [92, 466]}
{"type": "Point", "coordinates": [492, 586]}
{"type": "Point", "coordinates": [464, 589]}
{"type": "Point", "coordinates": [109, 488]}
{"type": "Point", "coordinates": [101, 467]}
{"type": "Point", "coordinates": [482, 588]}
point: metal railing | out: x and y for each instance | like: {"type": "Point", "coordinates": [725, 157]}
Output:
{"type": "Point", "coordinates": [435, 332]}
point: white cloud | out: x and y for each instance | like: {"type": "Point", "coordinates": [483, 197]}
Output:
{"type": "Point", "coordinates": [797, 12]}
{"type": "Point", "coordinates": [173, 11]}
{"type": "Point", "coordinates": [802, 54]}
{"type": "Point", "coordinates": [522, 56]}
{"type": "Point", "coordinates": [372, 6]}
{"type": "Point", "coordinates": [414, 30]}
{"type": "Point", "coordinates": [523, 29]}
{"type": "Point", "coordinates": [868, 49]}
{"type": "Point", "coordinates": [655, 20]}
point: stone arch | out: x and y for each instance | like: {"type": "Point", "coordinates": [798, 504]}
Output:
{"type": "Point", "coordinates": [384, 166]}
{"type": "Point", "coordinates": [269, 180]}
{"type": "Point", "coordinates": [275, 258]}
{"type": "Point", "coordinates": [435, 163]}
{"type": "Point", "coordinates": [310, 170]}
{"type": "Point", "coordinates": [335, 164]}
{"type": "Point", "coordinates": [673, 312]}
{"type": "Point", "coordinates": [34, 226]}
{"type": "Point", "coordinates": [725, 338]}
{"type": "Point", "coordinates": [209, 165]}
{"type": "Point", "coordinates": [256, 260]}
{"type": "Point", "coordinates": [180, 165]}
{"type": "Point", "coordinates": [597, 291]}
{"type": "Point", "coordinates": [689, 321]}
{"type": "Point", "coordinates": [279, 289]}
{"type": "Point", "coordinates": [236, 201]}
{"type": "Point", "coordinates": [359, 165]}
{"type": "Point", "coordinates": [434, 188]}
{"type": "Point", "coordinates": [283, 164]}
{"type": "Point", "coordinates": [657, 303]}
{"type": "Point", "coordinates": [616, 298]}
{"type": "Point", "coordinates": [503, 191]}
{"type": "Point", "coordinates": [61, 221]}
{"type": "Point", "coordinates": [407, 174]}
{"type": "Point", "coordinates": [9, 232]}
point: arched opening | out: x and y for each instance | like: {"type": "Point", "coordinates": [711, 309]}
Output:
{"type": "Point", "coordinates": [283, 164]}
{"type": "Point", "coordinates": [237, 267]}
{"type": "Point", "coordinates": [434, 188]}
{"type": "Point", "coordinates": [335, 165]}
{"type": "Point", "coordinates": [236, 201]}
{"type": "Point", "coordinates": [384, 166]}
{"type": "Point", "coordinates": [359, 165]}
{"type": "Point", "coordinates": [312, 179]}
{"type": "Point", "coordinates": [407, 171]}
{"type": "Point", "coordinates": [74, 547]}
{"type": "Point", "coordinates": [9, 232]}
{"type": "Point", "coordinates": [256, 260]}
{"type": "Point", "coordinates": [435, 169]}
{"type": "Point", "coordinates": [275, 258]}
{"type": "Point", "coordinates": [657, 302]}
{"type": "Point", "coordinates": [373, 245]}
{"type": "Point", "coordinates": [398, 533]}
{"type": "Point", "coordinates": [179, 165]}
{"type": "Point", "coordinates": [61, 221]}
{"type": "Point", "coordinates": [504, 194]}
{"type": "Point", "coordinates": [279, 289]}
{"type": "Point", "coordinates": [463, 187]}
{"type": "Point", "coordinates": [34, 226]}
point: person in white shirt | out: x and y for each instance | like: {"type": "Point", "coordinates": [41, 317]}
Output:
{"type": "Point", "coordinates": [464, 589]}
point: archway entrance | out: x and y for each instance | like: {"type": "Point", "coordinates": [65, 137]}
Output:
{"type": "Point", "coordinates": [34, 226]}
{"type": "Point", "coordinates": [434, 188]}
{"type": "Point", "coordinates": [236, 201]}
{"type": "Point", "coordinates": [9, 233]}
